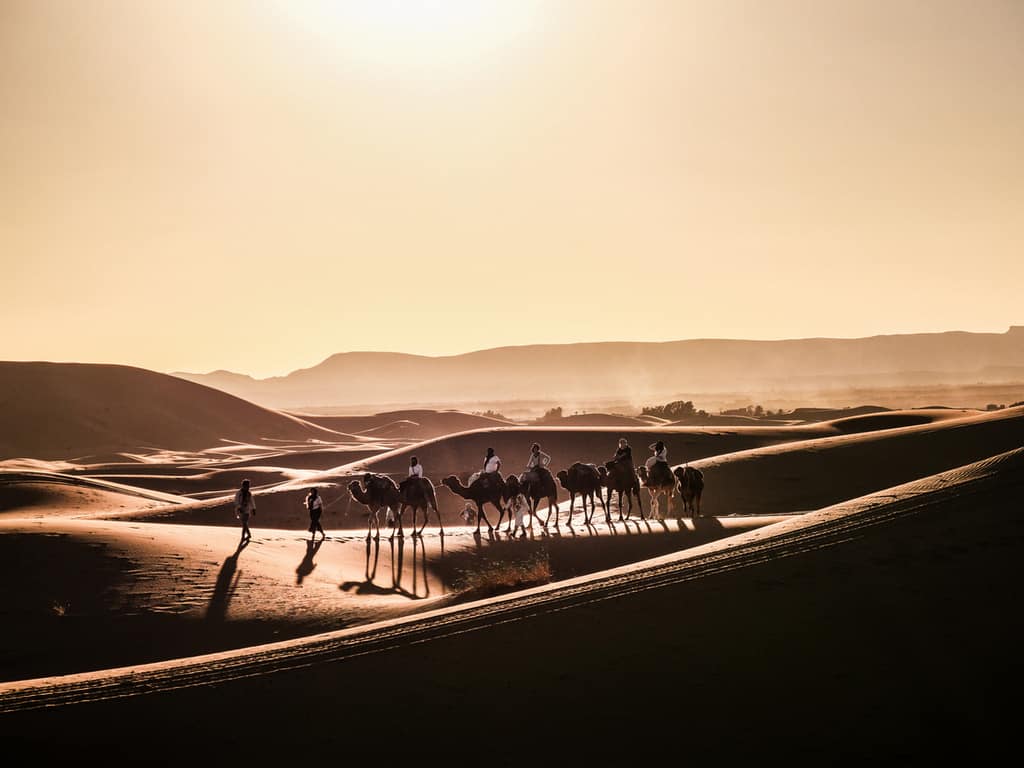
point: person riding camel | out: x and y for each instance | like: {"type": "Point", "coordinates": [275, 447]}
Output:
{"type": "Point", "coordinates": [538, 460]}
{"type": "Point", "coordinates": [624, 454]}
{"type": "Point", "coordinates": [491, 466]}
{"type": "Point", "coordinates": [415, 471]}
{"type": "Point", "coordinates": [660, 454]}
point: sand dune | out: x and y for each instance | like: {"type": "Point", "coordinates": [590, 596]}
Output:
{"type": "Point", "coordinates": [99, 593]}
{"type": "Point", "coordinates": [894, 419]}
{"type": "Point", "coordinates": [597, 420]}
{"type": "Point", "coordinates": [420, 424]}
{"type": "Point", "coordinates": [63, 410]}
{"type": "Point", "coordinates": [855, 628]}
{"type": "Point", "coordinates": [51, 493]}
{"type": "Point", "coordinates": [463, 453]}
{"type": "Point", "coordinates": [713, 420]}
{"type": "Point", "coordinates": [809, 475]}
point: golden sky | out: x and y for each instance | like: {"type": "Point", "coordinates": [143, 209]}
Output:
{"type": "Point", "coordinates": [187, 185]}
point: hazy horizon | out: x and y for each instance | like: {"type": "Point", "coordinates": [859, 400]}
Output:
{"type": "Point", "coordinates": [257, 186]}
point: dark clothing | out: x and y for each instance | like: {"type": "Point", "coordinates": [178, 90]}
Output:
{"type": "Point", "coordinates": [314, 521]}
{"type": "Point", "coordinates": [315, 505]}
{"type": "Point", "coordinates": [624, 454]}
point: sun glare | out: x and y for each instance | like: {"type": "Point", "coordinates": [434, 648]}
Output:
{"type": "Point", "coordinates": [415, 36]}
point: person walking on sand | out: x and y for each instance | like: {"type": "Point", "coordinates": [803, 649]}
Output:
{"type": "Point", "coordinates": [660, 454]}
{"type": "Point", "coordinates": [245, 507]}
{"type": "Point", "coordinates": [519, 506]}
{"type": "Point", "coordinates": [315, 505]}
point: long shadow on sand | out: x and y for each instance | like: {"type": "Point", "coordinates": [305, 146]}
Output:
{"type": "Point", "coordinates": [307, 565]}
{"type": "Point", "coordinates": [420, 587]}
{"type": "Point", "coordinates": [227, 583]}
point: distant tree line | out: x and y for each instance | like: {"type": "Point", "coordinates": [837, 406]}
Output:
{"type": "Point", "coordinates": [677, 409]}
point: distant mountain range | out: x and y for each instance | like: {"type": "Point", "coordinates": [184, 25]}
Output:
{"type": "Point", "coordinates": [637, 372]}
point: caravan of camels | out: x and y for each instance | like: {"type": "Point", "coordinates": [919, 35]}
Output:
{"type": "Point", "coordinates": [379, 492]}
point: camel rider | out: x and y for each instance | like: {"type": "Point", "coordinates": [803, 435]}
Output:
{"type": "Point", "coordinates": [491, 462]}
{"type": "Point", "coordinates": [415, 470]}
{"type": "Point", "coordinates": [624, 454]}
{"type": "Point", "coordinates": [660, 454]}
{"type": "Point", "coordinates": [491, 466]}
{"type": "Point", "coordinates": [537, 461]}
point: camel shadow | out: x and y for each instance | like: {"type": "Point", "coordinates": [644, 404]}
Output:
{"type": "Point", "coordinates": [307, 565]}
{"type": "Point", "coordinates": [367, 585]}
{"type": "Point", "coordinates": [420, 587]}
{"type": "Point", "coordinates": [225, 586]}
{"type": "Point", "coordinates": [707, 524]}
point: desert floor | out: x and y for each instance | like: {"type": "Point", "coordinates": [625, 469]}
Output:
{"type": "Point", "coordinates": [851, 594]}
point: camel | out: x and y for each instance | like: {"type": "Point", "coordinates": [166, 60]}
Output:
{"type": "Point", "coordinates": [620, 477]}
{"type": "Point", "coordinates": [659, 481]}
{"type": "Point", "coordinates": [380, 493]}
{"type": "Point", "coordinates": [418, 493]}
{"type": "Point", "coordinates": [691, 488]}
{"type": "Point", "coordinates": [542, 488]}
{"type": "Point", "coordinates": [585, 480]}
{"type": "Point", "coordinates": [489, 488]}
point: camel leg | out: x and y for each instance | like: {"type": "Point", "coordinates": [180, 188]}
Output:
{"type": "Point", "coordinates": [440, 525]}
{"type": "Point", "coordinates": [482, 515]}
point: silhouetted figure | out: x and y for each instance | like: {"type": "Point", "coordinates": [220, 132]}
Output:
{"type": "Point", "coordinates": [315, 505]}
{"type": "Point", "coordinates": [624, 454]}
{"type": "Point", "coordinates": [245, 507]}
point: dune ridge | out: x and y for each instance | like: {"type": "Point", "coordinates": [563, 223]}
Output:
{"type": "Point", "coordinates": [64, 410]}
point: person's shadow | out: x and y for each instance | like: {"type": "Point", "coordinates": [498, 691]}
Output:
{"type": "Point", "coordinates": [227, 583]}
{"type": "Point", "coordinates": [307, 565]}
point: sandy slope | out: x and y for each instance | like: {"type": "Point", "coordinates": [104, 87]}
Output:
{"type": "Point", "coordinates": [419, 423]}
{"type": "Point", "coordinates": [883, 628]}
{"type": "Point", "coordinates": [43, 494]}
{"type": "Point", "coordinates": [834, 465]}
{"type": "Point", "coordinates": [809, 475]}
{"type": "Point", "coordinates": [63, 410]}
{"type": "Point", "coordinates": [97, 594]}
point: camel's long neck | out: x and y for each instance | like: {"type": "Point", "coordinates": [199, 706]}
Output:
{"type": "Point", "coordinates": [359, 494]}
{"type": "Point", "coordinates": [458, 488]}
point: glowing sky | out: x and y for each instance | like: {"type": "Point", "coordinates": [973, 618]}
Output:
{"type": "Point", "coordinates": [256, 185]}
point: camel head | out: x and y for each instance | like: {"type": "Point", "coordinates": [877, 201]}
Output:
{"type": "Point", "coordinates": [642, 471]}
{"type": "Point", "coordinates": [354, 486]}
{"type": "Point", "coordinates": [512, 485]}
{"type": "Point", "coordinates": [602, 472]}
{"type": "Point", "coordinates": [451, 482]}
{"type": "Point", "coordinates": [563, 478]}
